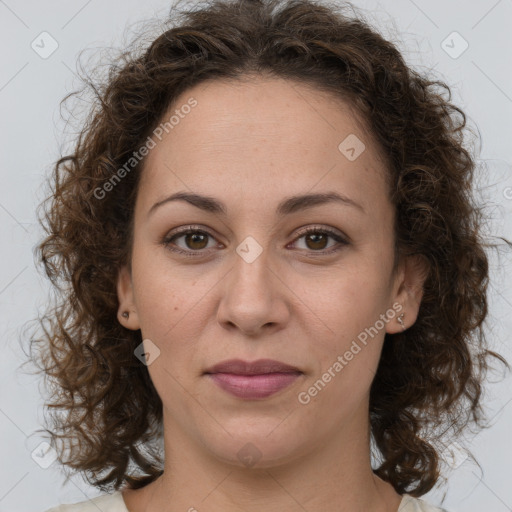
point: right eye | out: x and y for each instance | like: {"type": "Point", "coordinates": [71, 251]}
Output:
{"type": "Point", "coordinates": [196, 241]}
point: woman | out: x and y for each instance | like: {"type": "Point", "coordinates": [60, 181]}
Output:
{"type": "Point", "coordinates": [273, 261]}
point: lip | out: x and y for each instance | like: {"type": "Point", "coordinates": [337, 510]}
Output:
{"type": "Point", "coordinates": [253, 380]}
{"type": "Point", "coordinates": [259, 367]}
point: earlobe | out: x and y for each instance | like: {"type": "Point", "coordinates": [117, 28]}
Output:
{"type": "Point", "coordinates": [127, 312]}
{"type": "Point", "coordinates": [411, 277]}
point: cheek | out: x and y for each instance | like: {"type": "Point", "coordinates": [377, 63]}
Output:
{"type": "Point", "coordinates": [155, 295]}
{"type": "Point", "coordinates": [352, 298]}
{"type": "Point", "coordinates": [171, 305]}
{"type": "Point", "coordinates": [163, 291]}
{"type": "Point", "coordinates": [348, 349]}
{"type": "Point", "coordinates": [349, 322]}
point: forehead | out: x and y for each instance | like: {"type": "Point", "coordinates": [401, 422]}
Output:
{"type": "Point", "coordinates": [264, 136]}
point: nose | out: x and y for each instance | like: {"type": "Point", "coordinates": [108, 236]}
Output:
{"type": "Point", "coordinates": [253, 297]}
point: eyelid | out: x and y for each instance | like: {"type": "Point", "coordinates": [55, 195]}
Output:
{"type": "Point", "coordinates": [319, 228]}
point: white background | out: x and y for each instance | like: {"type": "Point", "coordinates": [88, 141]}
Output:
{"type": "Point", "coordinates": [32, 136]}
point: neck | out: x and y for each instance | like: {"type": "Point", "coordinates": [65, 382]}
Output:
{"type": "Point", "coordinates": [335, 475]}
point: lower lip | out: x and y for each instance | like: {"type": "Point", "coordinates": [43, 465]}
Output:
{"type": "Point", "coordinates": [253, 386]}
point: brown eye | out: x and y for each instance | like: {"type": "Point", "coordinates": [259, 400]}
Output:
{"type": "Point", "coordinates": [194, 243]}
{"type": "Point", "coordinates": [196, 240]}
{"type": "Point", "coordinates": [319, 240]}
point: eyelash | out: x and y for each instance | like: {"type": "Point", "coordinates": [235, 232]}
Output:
{"type": "Point", "coordinates": [167, 241]}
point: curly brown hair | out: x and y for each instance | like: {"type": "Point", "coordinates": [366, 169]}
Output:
{"type": "Point", "coordinates": [104, 408]}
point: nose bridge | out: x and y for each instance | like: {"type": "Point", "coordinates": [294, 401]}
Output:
{"type": "Point", "coordinates": [251, 270]}
{"type": "Point", "coordinates": [250, 296]}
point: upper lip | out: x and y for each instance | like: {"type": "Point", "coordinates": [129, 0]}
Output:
{"type": "Point", "coordinates": [259, 367]}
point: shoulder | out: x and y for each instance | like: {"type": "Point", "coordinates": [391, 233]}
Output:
{"type": "Point", "coordinates": [106, 503]}
{"type": "Point", "coordinates": [411, 504]}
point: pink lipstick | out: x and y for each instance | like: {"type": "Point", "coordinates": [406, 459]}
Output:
{"type": "Point", "coordinates": [258, 379]}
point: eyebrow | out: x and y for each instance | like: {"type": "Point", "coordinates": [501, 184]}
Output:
{"type": "Point", "coordinates": [286, 207]}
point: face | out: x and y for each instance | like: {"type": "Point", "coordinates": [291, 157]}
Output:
{"type": "Point", "coordinates": [246, 281]}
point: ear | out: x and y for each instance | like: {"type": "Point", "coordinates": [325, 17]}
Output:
{"type": "Point", "coordinates": [130, 320]}
{"type": "Point", "coordinates": [408, 291]}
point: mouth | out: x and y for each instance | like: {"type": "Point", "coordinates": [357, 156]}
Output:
{"type": "Point", "coordinates": [259, 367]}
{"type": "Point", "coordinates": [256, 380]}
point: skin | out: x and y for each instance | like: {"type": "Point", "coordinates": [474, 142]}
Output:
{"type": "Point", "coordinates": [251, 145]}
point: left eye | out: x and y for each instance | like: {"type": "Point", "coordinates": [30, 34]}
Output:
{"type": "Point", "coordinates": [318, 238]}
{"type": "Point", "coordinates": [197, 240]}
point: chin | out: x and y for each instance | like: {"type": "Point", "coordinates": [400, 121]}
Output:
{"type": "Point", "coordinates": [267, 446]}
